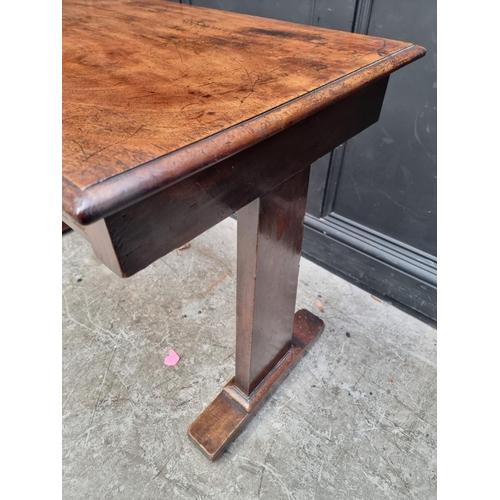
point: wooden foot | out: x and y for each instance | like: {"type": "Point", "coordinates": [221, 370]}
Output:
{"type": "Point", "coordinates": [270, 339]}
{"type": "Point", "coordinates": [231, 410]}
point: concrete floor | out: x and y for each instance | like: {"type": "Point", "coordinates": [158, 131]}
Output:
{"type": "Point", "coordinates": [356, 419]}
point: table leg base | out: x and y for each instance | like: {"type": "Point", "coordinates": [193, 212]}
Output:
{"type": "Point", "coordinates": [229, 413]}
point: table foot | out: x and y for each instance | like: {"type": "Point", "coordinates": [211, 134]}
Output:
{"type": "Point", "coordinates": [229, 413]}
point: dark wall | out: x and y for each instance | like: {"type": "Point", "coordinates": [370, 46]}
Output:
{"type": "Point", "coordinates": [388, 178]}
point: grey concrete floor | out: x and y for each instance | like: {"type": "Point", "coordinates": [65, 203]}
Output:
{"type": "Point", "coordinates": [356, 419]}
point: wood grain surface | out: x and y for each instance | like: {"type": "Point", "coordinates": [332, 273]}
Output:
{"type": "Point", "coordinates": [152, 227]}
{"type": "Point", "coordinates": [155, 91]}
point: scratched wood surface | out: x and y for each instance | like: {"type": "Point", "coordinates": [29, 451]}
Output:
{"type": "Point", "coordinates": [142, 80]}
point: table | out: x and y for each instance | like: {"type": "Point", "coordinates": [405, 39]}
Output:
{"type": "Point", "coordinates": [176, 117]}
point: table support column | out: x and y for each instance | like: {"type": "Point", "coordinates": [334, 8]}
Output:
{"type": "Point", "coordinates": [270, 339]}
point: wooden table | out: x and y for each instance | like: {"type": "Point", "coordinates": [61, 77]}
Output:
{"type": "Point", "coordinates": [174, 118]}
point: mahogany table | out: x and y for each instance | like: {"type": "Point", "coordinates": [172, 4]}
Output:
{"type": "Point", "coordinates": [174, 118]}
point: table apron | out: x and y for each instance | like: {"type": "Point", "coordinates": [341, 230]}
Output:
{"type": "Point", "coordinates": [131, 239]}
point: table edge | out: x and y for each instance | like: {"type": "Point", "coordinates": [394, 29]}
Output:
{"type": "Point", "coordinates": [86, 206]}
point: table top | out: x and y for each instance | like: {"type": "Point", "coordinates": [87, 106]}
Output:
{"type": "Point", "coordinates": [155, 91]}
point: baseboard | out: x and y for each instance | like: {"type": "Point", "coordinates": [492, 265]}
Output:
{"type": "Point", "coordinates": [405, 277]}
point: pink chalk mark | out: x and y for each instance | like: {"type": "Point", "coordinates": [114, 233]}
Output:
{"type": "Point", "coordinates": [172, 359]}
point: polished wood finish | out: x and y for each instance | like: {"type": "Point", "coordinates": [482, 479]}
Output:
{"type": "Point", "coordinates": [157, 91]}
{"type": "Point", "coordinates": [269, 246]}
{"type": "Point", "coordinates": [230, 412]}
{"type": "Point", "coordinates": [149, 229]}
{"type": "Point", "coordinates": [174, 118]}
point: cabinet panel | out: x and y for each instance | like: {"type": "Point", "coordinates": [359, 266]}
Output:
{"type": "Point", "coordinates": [388, 177]}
